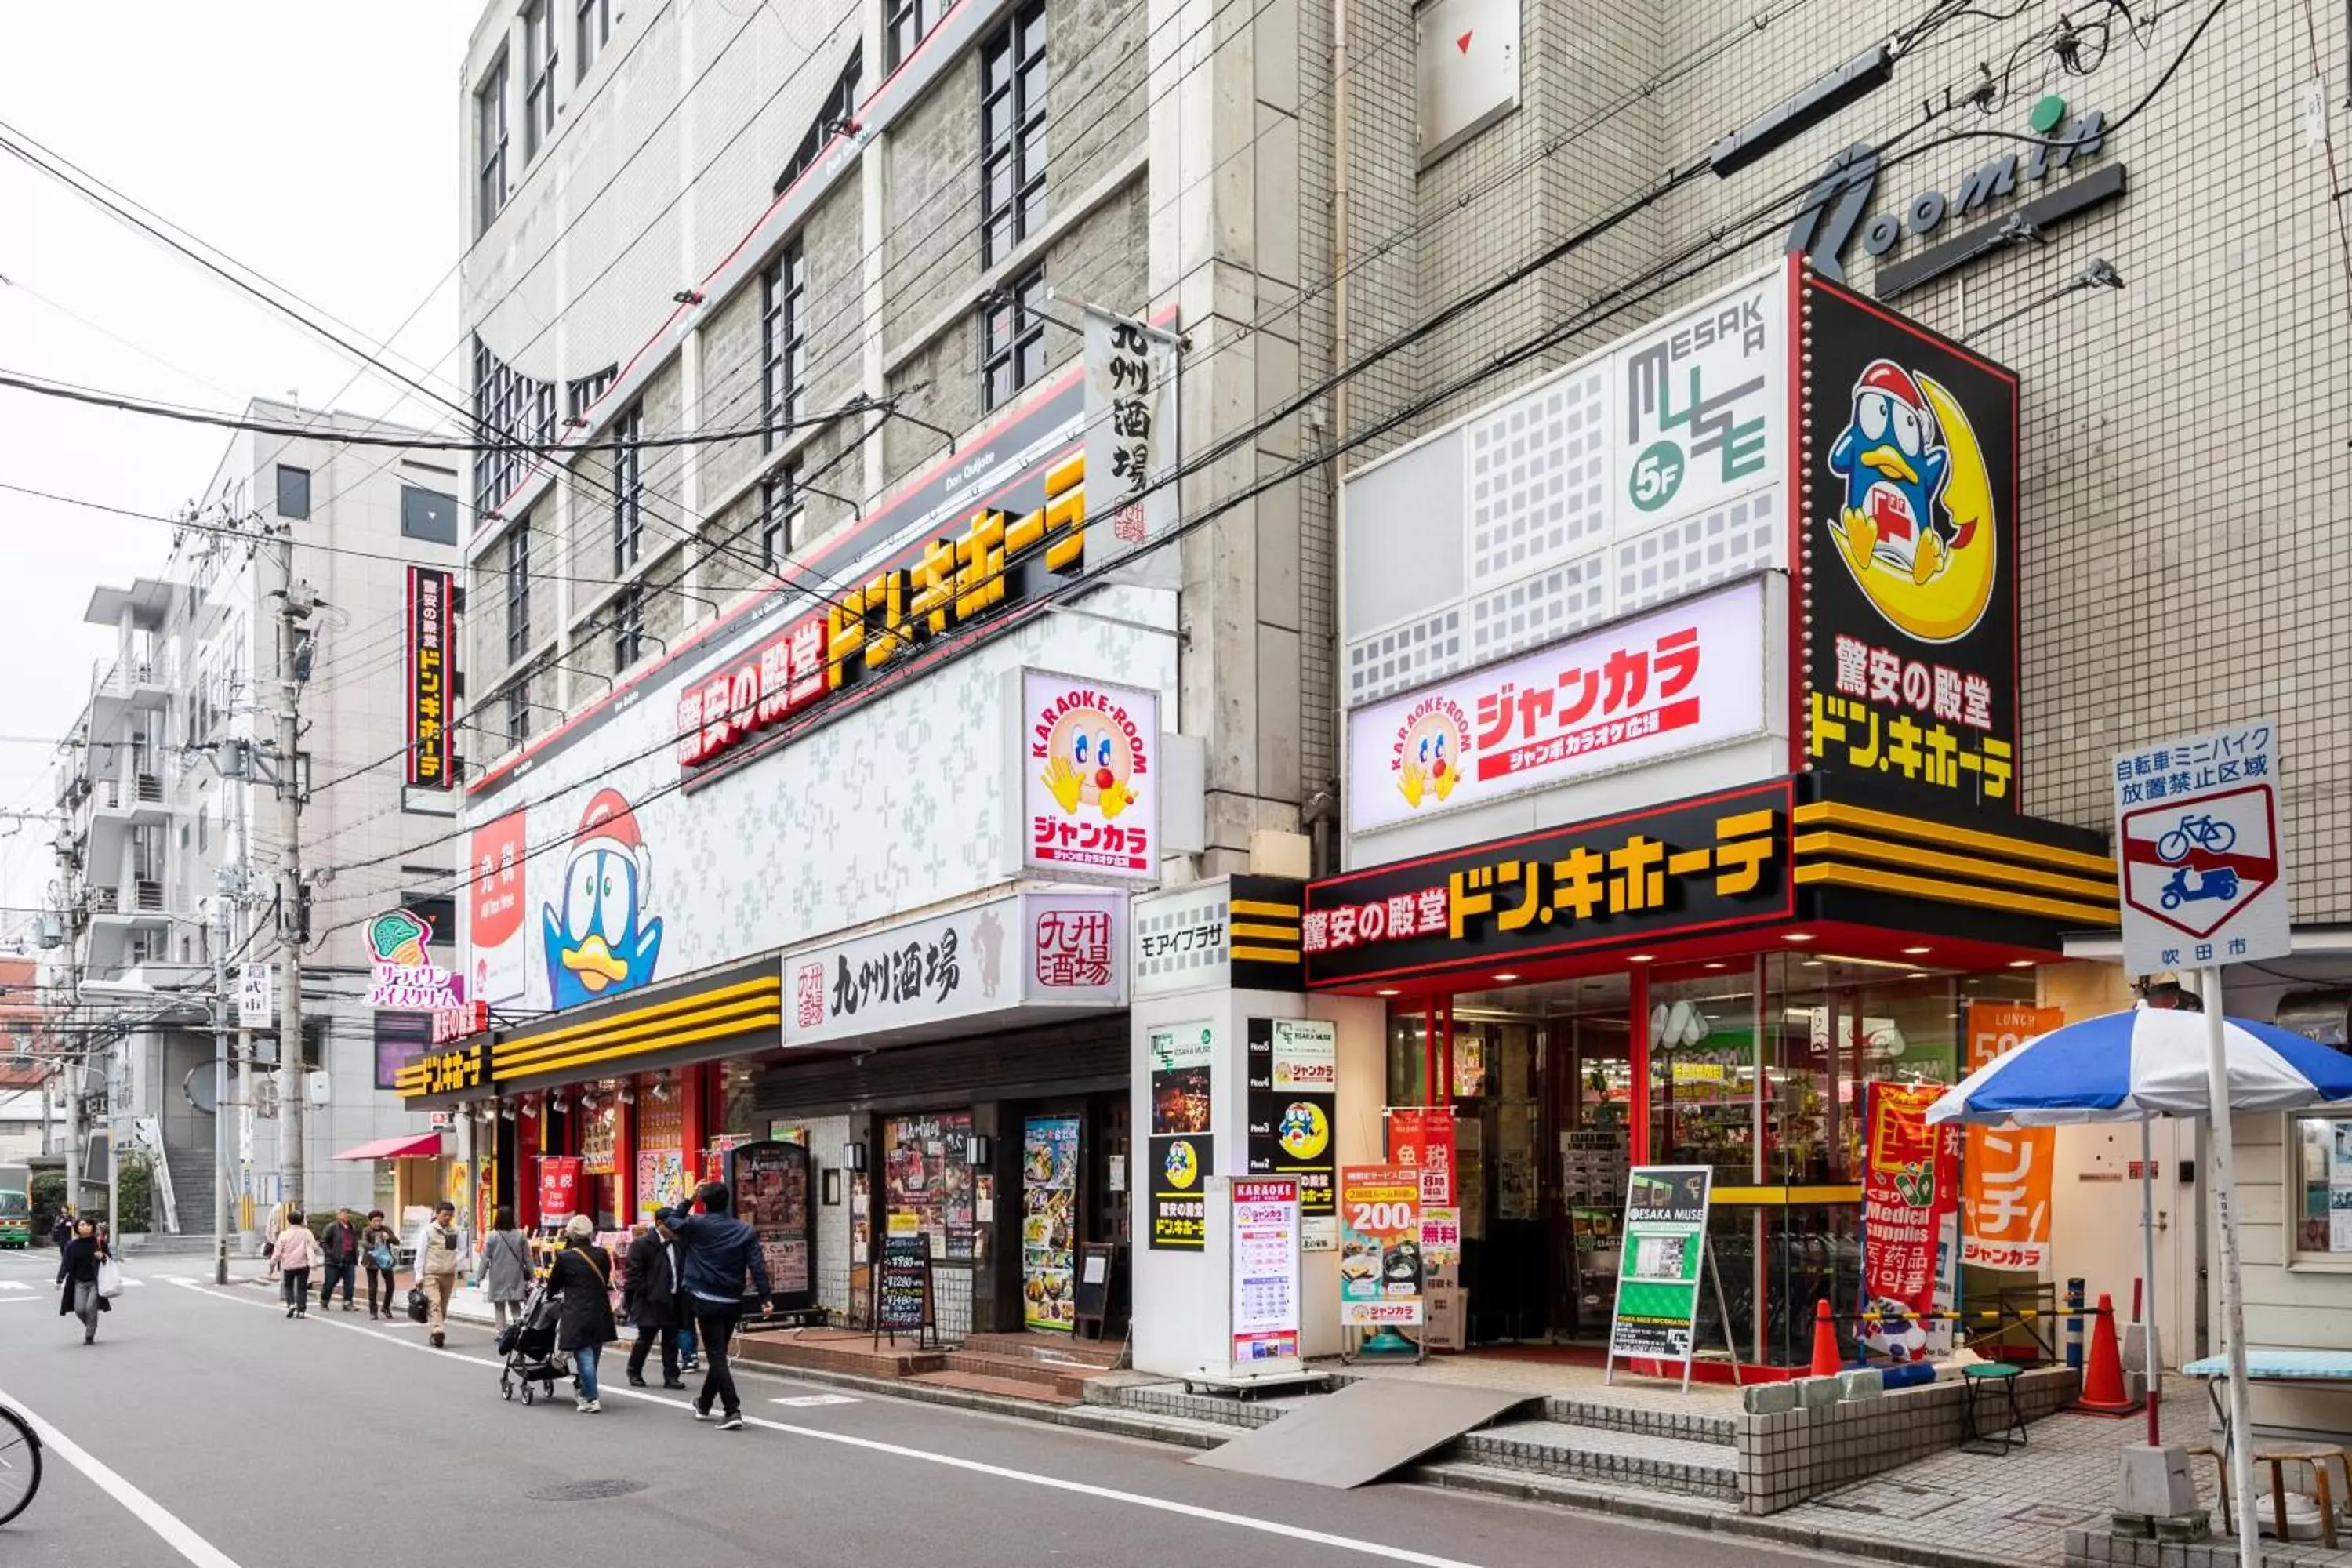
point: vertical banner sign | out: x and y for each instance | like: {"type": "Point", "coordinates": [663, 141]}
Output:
{"type": "Point", "coordinates": [1293, 1072]}
{"type": "Point", "coordinates": [1910, 1181]}
{"type": "Point", "coordinates": [1908, 474]}
{"type": "Point", "coordinates": [2199, 852]}
{"type": "Point", "coordinates": [1665, 1247]}
{"type": "Point", "coordinates": [1266, 1269]}
{"type": "Point", "coordinates": [1049, 1190]}
{"type": "Point", "coordinates": [1422, 1138]}
{"type": "Point", "coordinates": [256, 995]}
{"type": "Point", "coordinates": [430, 627]}
{"type": "Point", "coordinates": [1182, 1073]}
{"type": "Point", "coordinates": [1380, 1245]}
{"type": "Point", "coordinates": [2005, 1171]}
{"type": "Point", "coordinates": [559, 1188]}
{"type": "Point", "coordinates": [1131, 425]}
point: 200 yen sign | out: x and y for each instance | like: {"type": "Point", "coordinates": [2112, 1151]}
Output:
{"type": "Point", "coordinates": [1370, 1217]}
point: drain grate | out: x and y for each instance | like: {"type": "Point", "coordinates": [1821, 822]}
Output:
{"type": "Point", "coordinates": [2050, 1515]}
{"type": "Point", "coordinates": [1888, 1500]}
{"type": "Point", "coordinates": [584, 1491]}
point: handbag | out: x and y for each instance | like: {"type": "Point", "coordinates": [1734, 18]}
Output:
{"type": "Point", "coordinates": [380, 1258]}
{"type": "Point", "coordinates": [110, 1279]}
{"type": "Point", "coordinates": [417, 1309]}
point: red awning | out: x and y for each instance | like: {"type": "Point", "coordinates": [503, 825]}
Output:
{"type": "Point", "coordinates": [407, 1146]}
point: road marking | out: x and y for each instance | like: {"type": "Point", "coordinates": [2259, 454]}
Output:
{"type": "Point", "coordinates": [18, 1301]}
{"type": "Point", "coordinates": [141, 1506]}
{"type": "Point", "coordinates": [14, 1285]}
{"type": "Point", "coordinates": [807, 1400]}
{"type": "Point", "coordinates": [179, 1279]}
{"type": "Point", "coordinates": [976, 1467]}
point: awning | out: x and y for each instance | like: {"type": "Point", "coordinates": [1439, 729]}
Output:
{"type": "Point", "coordinates": [407, 1146]}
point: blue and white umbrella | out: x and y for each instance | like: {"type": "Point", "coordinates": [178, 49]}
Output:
{"type": "Point", "coordinates": [2150, 1061]}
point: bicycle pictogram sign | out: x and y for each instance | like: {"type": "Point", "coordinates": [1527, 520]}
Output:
{"type": "Point", "coordinates": [2195, 863]}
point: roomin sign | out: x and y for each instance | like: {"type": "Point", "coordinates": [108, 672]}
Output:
{"type": "Point", "coordinates": [2199, 852]}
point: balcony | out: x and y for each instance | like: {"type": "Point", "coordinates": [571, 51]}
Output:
{"type": "Point", "coordinates": [138, 901]}
{"type": "Point", "coordinates": [139, 681]}
{"type": "Point", "coordinates": [136, 799]}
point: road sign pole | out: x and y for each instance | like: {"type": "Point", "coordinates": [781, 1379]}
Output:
{"type": "Point", "coordinates": [2233, 1294]}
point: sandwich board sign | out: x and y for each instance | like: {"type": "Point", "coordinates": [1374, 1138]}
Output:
{"type": "Point", "coordinates": [1658, 1269]}
{"type": "Point", "coordinates": [2200, 858]}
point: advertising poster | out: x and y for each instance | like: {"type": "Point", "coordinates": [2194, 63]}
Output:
{"type": "Point", "coordinates": [2005, 1171]}
{"type": "Point", "coordinates": [493, 907]}
{"type": "Point", "coordinates": [1422, 1138]}
{"type": "Point", "coordinates": [1660, 1256]}
{"type": "Point", "coordinates": [2340, 1187]}
{"type": "Point", "coordinates": [1266, 1269]}
{"type": "Point", "coordinates": [772, 1196]}
{"type": "Point", "coordinates": [559, 1188]}
{"type": "Point", "coordinates": [1380, 1245]}
{"type": "Point", "coordinates": [1441, 1237]}
{"type": "Point", "coordinates": [927, 1181]}
{"type": "Point", "coordinates": [1049, 1191]}
{"type": "Point", "coordinates": [1182, 1153]}
{"type": "Point", "coordinates": [1910, 1210]}
{"type": "Point", "coordinates": [1293, 1071]}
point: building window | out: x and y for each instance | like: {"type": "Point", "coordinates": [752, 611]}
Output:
{"type": "Point", "coordinates": [590, 34]}
{"type": "Point", "coordinates": [293, 491]}
{"type": "Point", "coordinates": [490, 144]}
{"type": "Point", "coordinates": [628, 490]}
{"type": "Point", "coordinates": [839, 108]}
{"type": "Point", "coordinates": [780, 517]}
{"type": "Point", "coordinates": [783, 343]}
{"type": "Point", "coordinates": [1013, 339]}
{"type": "Point", "coordinates": [508, 407]}
{"type": "Point", "coordinates": [904, 27]}
{"type": "Point", "coordinates": [518, 714]}
{"type": "Point", "coordinates": [427, 515]}
{"type": "Point", "coordinates": [518, 591]}
{"type": "Point", "coordinates": [537, 78]}
{"type": "Point", "coordinates": [628, 628]}
{"type": "Point", "coordinates": [1012, 132]}
{"type": "Point", "coordinates": [580, 396]}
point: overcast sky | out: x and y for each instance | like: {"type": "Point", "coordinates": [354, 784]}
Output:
{"type": "Point", "coordinates": [317, 144]}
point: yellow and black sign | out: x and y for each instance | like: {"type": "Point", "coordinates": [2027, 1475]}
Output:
{"type": "Point", "coordinates": [446, 1072]}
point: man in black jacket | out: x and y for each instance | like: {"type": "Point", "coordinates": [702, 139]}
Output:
{"type": "Point", "coordinates": [650, 1289]}
{"type": "Point", "coordinates": [719, 1250]}
{"type": "Point", "coordinates": [339, 1250]}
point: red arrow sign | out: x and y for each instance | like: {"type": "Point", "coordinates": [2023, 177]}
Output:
{"type": "Point", "coordinates": [1463, 43]}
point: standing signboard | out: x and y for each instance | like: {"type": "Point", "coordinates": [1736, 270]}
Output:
{"type": "Point", "coordinates": [2005, 1170]}
{"type": "Point", "coordinates": [772, 1182]}
{"type": "Point", "coordinates": [1293, 1072]}
{"type": "Point", "coordinates": [1910, 1211]}
{"type": "Point", "coordinates": [1422, 1138]}
{"type": "Point", "coordinates": [1380, 1246]}
{"type": "Point", "coordinates": [902, 1284]}
{"type": "Point", "coordinates": [1659, 1266]}
{"type": "Point", "coordinates": [1266, 1234]}
{"type": "Point", "coordinates": [2198, 851]}
{"type": "Point", "coordinates": [1182, 1153]}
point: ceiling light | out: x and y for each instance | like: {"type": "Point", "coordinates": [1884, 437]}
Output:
{"type": "Point", "coordinates": [1716, 966]}
{"type": "Point", "coordinates": [1506, 977]}
{"type": "Point", "coordinates": [1916, 952]}
{"type": "Point", "coordinates": [1916, 974]}
{"type": "Point", "coordinates": [1391, 991]}
{"type": "Point", "coordinates": [1797, 936]}
{"type": "Point", "coordinates": [1812, 963]}
{"type": "Point", "coordinates": [2021, 963]}
{"type": "Point", "coordinates": [1641, 957]}
{"type": "Point", "coordinates": [1865, 962]}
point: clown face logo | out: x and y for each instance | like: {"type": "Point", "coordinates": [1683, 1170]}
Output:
{"type": "Point", "coordinates": [1916, 525]}
{"type": "Point", "coordinates": [1431, 751]}
{"type": "Point", "coordinates": [1089, 760]}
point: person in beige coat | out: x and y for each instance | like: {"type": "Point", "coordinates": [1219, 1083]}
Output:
{"type": "Point", "coordinates": [296, 1252]}
{"type": "Point", "coordinates": [440, 1257]}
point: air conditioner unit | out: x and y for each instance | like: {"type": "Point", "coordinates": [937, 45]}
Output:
{"type": "Point", "coordinates": [102, 901]}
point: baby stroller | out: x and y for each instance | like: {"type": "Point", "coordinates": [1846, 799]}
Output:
{"type": "Point", "coordinates": [528, 1343]}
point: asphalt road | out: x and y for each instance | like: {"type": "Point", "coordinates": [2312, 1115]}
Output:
{"type": "Point", "coordinates": [203, 1428]}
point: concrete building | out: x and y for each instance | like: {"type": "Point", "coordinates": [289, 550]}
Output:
{"type": "Point", "coordinates": [164, 788]}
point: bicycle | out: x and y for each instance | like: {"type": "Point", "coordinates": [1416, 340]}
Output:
{"type": "Point", "coordinates": [20, 1463]}
{"type": "Point", "coordinates": [2200, 832]}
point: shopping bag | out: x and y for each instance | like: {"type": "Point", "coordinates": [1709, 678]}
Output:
{"type": "Point", "coordinates": [109, 1278]}
{"type": "Point", "coordinates": [417, 1309]}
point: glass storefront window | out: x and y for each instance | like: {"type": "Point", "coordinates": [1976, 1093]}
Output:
{"type": "Point", "coordinates": [2320, 1190]}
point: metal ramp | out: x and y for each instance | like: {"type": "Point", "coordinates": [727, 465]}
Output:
{"type": "Point", "coordinates": [1371, 1427]}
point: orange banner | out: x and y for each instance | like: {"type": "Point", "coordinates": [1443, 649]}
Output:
{"type": "Point", "coordinates": [2005, 1171]}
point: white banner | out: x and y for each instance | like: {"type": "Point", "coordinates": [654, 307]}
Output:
{"type": "Point", "coordinates": [1087, 755]}
{"type": "Point", "coordinates": [256, 995]}
{"type": "Point", "coordinates": [1676, 679]}
{"type": "Point", "coordinates": [1130, 431]}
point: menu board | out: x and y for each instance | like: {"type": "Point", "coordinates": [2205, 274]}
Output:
{"type": "Point", "coordinates": [902, 1284]}
{"type": "Point", "coordinates": [1182, 1083]}
{"type": "Point", "coordinates": [1049, 1190]}
{"type": "Point", "coordinates": [771, 1195]}
{"type": "Point", "coordinates": [1380, 1245]}
{"type": "Point", "coordinates": [1266, 1221]}
{"type": "Point", "coordinates": [927, 1174]}
{"type": "Point", "coordinates": [1293, 1072]}
{"type": "Point", "coordinates": [1658, 1263]}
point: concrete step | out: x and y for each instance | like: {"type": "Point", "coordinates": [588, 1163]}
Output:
{"type": "Point", "coordinates": [1065, 1381]}
{"type": "Point", "coordinates": [1638, 1459]}
{"type": "Point", "coordinates": [1170, 1400]}
{"type": "Point", "coordinates": [983, 1382]}
{"type": "Point", "coordinates": [1696, 1426]}
{"type": "Point", "coordinates": [844, 1353]}
{"type": "Point", "coordinates": [1051, 1349]}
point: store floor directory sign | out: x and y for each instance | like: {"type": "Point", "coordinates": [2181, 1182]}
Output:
{"type": "Point", "coordinates": [1658, 1264]}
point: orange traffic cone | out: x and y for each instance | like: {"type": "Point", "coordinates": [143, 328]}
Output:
{"type": "Point", "coordinates": [2103, 1380]}
{"type": "Point", "coordinates": [1827, 1362]}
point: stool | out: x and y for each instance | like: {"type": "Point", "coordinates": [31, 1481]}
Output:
{"type": "Point", "coordinates": [2278, 1458]}
{"type": "Point", "coordinates": [1980, 1379]}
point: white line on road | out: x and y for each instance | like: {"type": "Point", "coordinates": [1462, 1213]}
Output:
{"type": "Point", "coordinates": [809, 1401]}
{"type": "Point", "coordinates": [142, 1507]}
{"type": "Point", "coordinates": [976, 1467]}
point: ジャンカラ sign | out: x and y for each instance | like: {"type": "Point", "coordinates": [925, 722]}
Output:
{"type": "Point", "coordinates": [2199, 850]}
{"type": "Point", "coordinates": [1264, 1269]}
{"type": "Point", "coordinates": [1087, 754]}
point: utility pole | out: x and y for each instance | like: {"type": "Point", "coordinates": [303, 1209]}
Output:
{"type": "Point", "coordinates": [296, 603]}
{"type": "Point", "coordinates": [225, 887]}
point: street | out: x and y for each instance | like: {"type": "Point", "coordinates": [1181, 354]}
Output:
{"type": "Point", "coordinates": [203, 1427]}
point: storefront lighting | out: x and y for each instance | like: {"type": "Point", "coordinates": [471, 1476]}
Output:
{"type": "Point", "coordinates": [853, 1156]}
{"type": "Point", "coordinates": [1718, 966]}
{"type": "Point", "coordinates": [661, 1088]}
{"type": "Point", "coordinates": [1797, 936]}
{"type": "Point", "coordinates": [1389, 990]}
{"type": "Point", "coordinates": [1916, 974]}
{"type": "Point", "coordinates": [1506, 977]}
{"type": "Point", "coordinates": [627, 1096]}
{"type": "Point", "coordinates": [507, 1111]}
{"type": "Point", "coordinates": [2021, 963]}
{"type": "Point", "coordinates": [980, 1151]}
{"type": "Point", "coordinates": [1918, 951]}
{"type": "Point", "coordinates": [1640, 957]}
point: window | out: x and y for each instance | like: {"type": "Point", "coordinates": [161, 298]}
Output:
{"type": "Point", "coordinates": [293, 491]}
{"type": "Point", "coordinates": [628, 490]}
{"type": "Point", "coordinates": [780, 517]}
{"type": "Point", "coordinates": [490, 144]}
{"type": "Point", "coordinates": [1012, 132]}
{"type": "Point", "coordinates": [629, 627]}
{"type": "Point", "coordinates": [519, 591]}
{"type": "Point", "coordinates": [1013, 339]}
{"type": "Point", "coordinates": [904, 26]}
{"type": "Point", "coordinates": [2318, 1166]}
{"type": "Point", "coordinates": [589, 32]}
{"type": "Point", "coordinates": [839, 108]}
{"type": "Point", "coordinates": [427, 515]}
{"type": "Point", "coordinates": [507, 407]}
{"type": "Point", "coordinates": [518, 714]}
{"type": "Point", "coordinates": [203, 827]}
{"type": "Point", "coordinates": [537, 78]}
{"type": "Point", "coordinates": [783, 344]}
{"type": "Point", "coordinates": [580, 396]}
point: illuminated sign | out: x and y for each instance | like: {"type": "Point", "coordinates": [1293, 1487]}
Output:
{"type": "Point", "coordinates": [404, 977]}
{"type": "Point", "coordinates": [451, 1072]}
{"type": "Point", "coordinates": [430, 628]}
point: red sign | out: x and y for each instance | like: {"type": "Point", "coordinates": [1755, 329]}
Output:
{"type": "Point", "coordinates": [1073, 948]}
{"type": "Point", "coordinates": [559, 1187]}
{"type": "Point", "coordinates": [430, 629]}
{"type": "Point", "coordinates": [778, 679]}
{"type": "Point", "coordinates": [1423, 1139]}
{"type": "Point", "coordinates": [457, 1023]}
{"type": "Point", "coordinates": [1910, 1190]}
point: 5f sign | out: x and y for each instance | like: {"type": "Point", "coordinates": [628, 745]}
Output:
{"type": "Point", "coordinates": [2198, 851]}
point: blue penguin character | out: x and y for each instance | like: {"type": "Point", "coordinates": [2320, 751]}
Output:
{"type": "Point", "coordinates": [599, 942]}
{"type": "Point", "coordinates": [1894, 465]}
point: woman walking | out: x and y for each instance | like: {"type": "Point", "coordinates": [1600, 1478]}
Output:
{"type": "Point", "coordinates": [78, 1279]}
{"type": "Point", "coordinates": [297, 1254]}
{"type": "Point", "coordinates": [506, 1267]}
{"type": "Point", "coordinates": [380, 1250]}
{"type": "Point", "coordinates": [582, 1276]}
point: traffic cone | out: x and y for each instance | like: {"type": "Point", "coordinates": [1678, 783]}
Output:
{"type": "Point", "coordinates": [1827, 1362]}
{"type": "Point", "coordinates": [2103, 1379]}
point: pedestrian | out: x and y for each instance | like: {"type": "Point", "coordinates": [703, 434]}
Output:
{"type": "Point", "coordinates": [720, 1251]}
{"type": "Point", "coordinates": [380, 1248]}
{"type": "Point", "coordinates": [650, 1290]}
{"type": "Point", "coordinates": [506, 1267]}
{"type": "Point", "coordinates": [270, 1232]}
{"type": "Point", "coordinates": [62, 1232]}
{"type": "Point", "coordinates": [339, 1251]}
{"type": "Point", "coordinates": [297, 1254]}
{"type": "Point", "coordinates": [439, 1254]}
{"type": "Point", "coordinates": [78, 1265]}
{"type": "Point", "coordinates": [583, 1278]}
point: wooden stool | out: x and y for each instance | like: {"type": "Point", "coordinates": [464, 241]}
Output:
{"type": "Point", "coordinates": [2278, 1458]}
